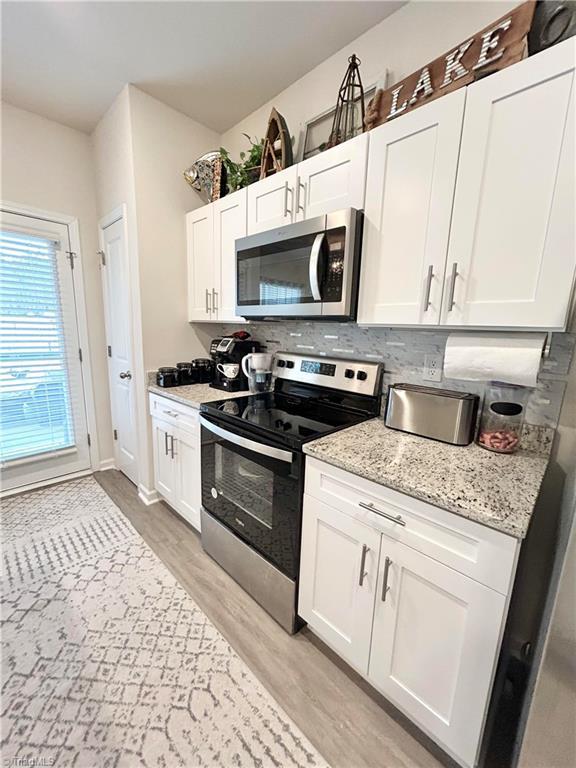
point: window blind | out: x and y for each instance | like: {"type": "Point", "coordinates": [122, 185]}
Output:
{"type": "Point", "coordinates": [277, 292]}
{"type": "Point", "coordinates": [35, 404]}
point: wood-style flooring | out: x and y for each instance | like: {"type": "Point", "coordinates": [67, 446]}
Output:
{"type": "Point", "coordinates": [350, 724]}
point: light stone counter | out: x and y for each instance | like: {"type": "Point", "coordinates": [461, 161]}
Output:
{"type": "Point", "coordinates": [194, 394]}
{"type": "Point", "coordinates": [494, 489]}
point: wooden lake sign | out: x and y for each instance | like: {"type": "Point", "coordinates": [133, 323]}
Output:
{"type": "Point", "coordinates": [498, 45]}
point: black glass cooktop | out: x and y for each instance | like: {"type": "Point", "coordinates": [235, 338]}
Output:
{"type": "Point", "coordinates": [290, 417]}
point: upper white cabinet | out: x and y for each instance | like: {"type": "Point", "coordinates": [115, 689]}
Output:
{"type": "Point", "coordinates": [512, 251]}
{"type": "Point", "coordinates": [201, 263]}
{"type": "Point", "coordinates": [328, 182]}
{"type": "Point", "coordinates": [333, 180]}
{"type": "Point", "coordinates": [211, 234]}
{"type": "Point", "coordinates": [409, 192]}
{"type": "Point", "coordinates": [271, 201]}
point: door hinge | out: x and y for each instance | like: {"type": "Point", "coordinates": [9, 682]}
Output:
{"type": "Point", "coordinates": [89, 440]}
{"type": "Point", "coordinates": [109, 351]}
{"type": "Point", "coordinates": [102, 257]}
{"type": "Point", "coordinates": [70, 255]}
{"type": "Point", "coordinates": [115, 434]}
{"type": "Point", "coordinates": [80, 354]}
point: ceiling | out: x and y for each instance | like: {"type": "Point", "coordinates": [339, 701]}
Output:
{"type": "Point", "coordinates": [213, 61]}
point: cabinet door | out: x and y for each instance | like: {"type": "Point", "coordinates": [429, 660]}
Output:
{"type": "Point", "coordinates": [229, 224]}
{"type": "Point", "coordinates": [512, 250]}
{"type": "Point", "coordinates": [271, 202]}
{"type": "Point", "coordinates": [435, 644]}
{"type": "Point", "coordinates": [164, 472]}
{"type": "Point", "coordinates": [187, 488]}
{"type": "Point", "coordinates": [338, 568]}
{"type": "Point", "coordinates": [411, 176]}
{"type": "Point", "coordinates": [333, 180]}
{"type": "Point", "coordinates": [201, 261]}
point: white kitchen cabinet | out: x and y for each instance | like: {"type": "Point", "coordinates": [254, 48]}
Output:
{"type": "Point", "coordinates": [202, 273]}
{"type": "Point", "coordinates": [229, 224]}
{"type": "Point", "coordinates": [272, 201]}
{"type": "Point", "coordinates": [435, 643]}
{"type": "Point", "coordinates": [425, 627]}
{"type": "Point", "coordinates": [338, 570]}
{"type": "Point", "coordinates": [512, 254]}
{"type": "Point", "coordinates": [164, 471]}
{"type": "Point", "coordinates": [332, 180]}
{"type": "Point", "coordinates": [176, 442]}
{"type": "Point", "coordinates": [410, 186]}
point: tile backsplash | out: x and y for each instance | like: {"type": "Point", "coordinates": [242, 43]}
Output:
{"type": "Point", "coordinates": [403, 353]}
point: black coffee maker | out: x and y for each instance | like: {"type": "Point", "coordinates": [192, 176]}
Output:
{"type": "Point", "coordinates": [227, 354]}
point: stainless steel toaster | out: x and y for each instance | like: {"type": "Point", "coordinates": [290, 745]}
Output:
{"type": "Point", "coordinates": [441, 414]}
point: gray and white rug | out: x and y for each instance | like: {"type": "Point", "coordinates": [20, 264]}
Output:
{"type": "Point", "coordinates": [108, 663]}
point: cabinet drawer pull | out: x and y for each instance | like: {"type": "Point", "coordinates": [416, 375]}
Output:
{"type": "Point", "coordinates": [429, 277]}
{"type": "Point", "coordinates": [453, 277]}
{"type": "Point", "coordinates": [363, 573]}
{"type": "Point", "coordinates": [398, 520]}
{"type": "Point", "coordinates": [171, 413]}
{"type": "Point", "coordinates": [385, 587]}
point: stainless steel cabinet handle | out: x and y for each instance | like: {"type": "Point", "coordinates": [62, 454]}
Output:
{"type": "Point", "coordinates": [452, 288]}
{"type": "Point", "coordinates": [172, 446]}
{"type": "Point", "coordinates": [300, 199]}
{"type": "Point", "coordinates": [166, 443]}
{"type": "Point", "coordinates": [208, 303]}
{"type": "Point", "coordinates": [363, 573]}
{"type": "Point", "coordinates": [125, 375]}
{"type": "Point", "coordinates": [287, 211]}
{"type": "Point", "coordinates": [214, 297]}
{"type": "Point", "coordinates": [171, 413]}
{"type": "Point", "coordinates": [429, 277]}
{"type": "Point", "coordinates": [385, 587]}
{"type": "Point", "coordinates": [398, 520]}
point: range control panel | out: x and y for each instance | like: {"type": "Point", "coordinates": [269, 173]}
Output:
{"type": "Point", "coordinates": [359, 376]}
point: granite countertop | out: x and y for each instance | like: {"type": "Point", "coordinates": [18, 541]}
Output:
{"type": "Point", "coordinates": [194, 394]}
{"type": "Point", "coordinates": [494, 489]}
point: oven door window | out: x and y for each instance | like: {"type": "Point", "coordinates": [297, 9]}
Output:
{"type": "Point", "coordinates": [278, 273]}
{"type": "Point", "coordinates": [258, 497]}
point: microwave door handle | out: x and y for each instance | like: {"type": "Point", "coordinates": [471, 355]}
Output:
{"type": "Point", "coordinates": [244, 442]}
{"type": "Point", "coordinates": [313, 268]}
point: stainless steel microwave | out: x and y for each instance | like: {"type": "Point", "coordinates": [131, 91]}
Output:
{"type": "Point", "coordinates": [307, 269]}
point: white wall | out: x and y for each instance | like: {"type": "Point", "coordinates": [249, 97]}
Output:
{"type": "Point", "coordinates": [49, 166]}
{"type": "Point", "coordinates": [408, 39]}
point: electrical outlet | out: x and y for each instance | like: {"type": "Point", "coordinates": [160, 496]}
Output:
{"type": "Point", "coordinates": [433, 368]}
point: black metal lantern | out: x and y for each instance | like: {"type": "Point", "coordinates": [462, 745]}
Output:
{"type": "Point", "coordinates": [349, 116]}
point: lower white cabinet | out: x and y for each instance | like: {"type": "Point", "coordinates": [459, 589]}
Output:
{"type": "Point", "coordinates": [426, 635]}
{"type": "Point", "coordinates": [176, 444]}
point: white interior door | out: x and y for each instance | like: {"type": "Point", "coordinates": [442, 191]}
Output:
{"type": "Point", "coordinates": [116, 281]}
{"type": "Point", "coordinates": [410, 188]}
{"type": "Point", "coordinates": [43, 428]}
{"type": "Point", "coordinates": [511, 260]}
{"type": "Point", "coordinates": [434, 645]}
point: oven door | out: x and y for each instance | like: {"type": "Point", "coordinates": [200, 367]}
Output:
{"type": "Point", "coordinates": [255, 489]}
{"type": "Point", "coordinates": [300, 270]}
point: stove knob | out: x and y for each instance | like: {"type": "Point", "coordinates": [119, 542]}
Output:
{"type": "Point", "coordinates": [289, 363]}
{"type": "Point", "coordinates": [349, 373]}
{"type": "Point", "coordinates": [362, 375]}
{"type": "Point", "coordinates": [281, 363]}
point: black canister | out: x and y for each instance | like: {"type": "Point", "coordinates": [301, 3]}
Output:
{"type": "Point", "coordinates": [167, 377]}
{"type": "Point", "coordinates": [202, 371]}
{"type": "Point", "coordinates": [184, 373]}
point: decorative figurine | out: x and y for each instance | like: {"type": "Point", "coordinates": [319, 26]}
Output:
{"type": "Point", "coordinates": [349, 115]}
{"type": "Point", "coordinates": [277, 152]}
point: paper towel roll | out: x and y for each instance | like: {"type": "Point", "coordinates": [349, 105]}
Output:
{"type": "Point", "coordinates": [511, 358]}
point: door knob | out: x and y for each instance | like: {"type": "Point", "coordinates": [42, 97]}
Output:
{"type": "Point", "coordinates": [125, 375]}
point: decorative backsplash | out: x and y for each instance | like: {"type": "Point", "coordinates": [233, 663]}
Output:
{"type": "Point", "coordinates": [403, 353]}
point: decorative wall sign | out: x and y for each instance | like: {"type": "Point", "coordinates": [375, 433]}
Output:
{"type": "Point", "coordinates": [498, 45]}
{"type": "Point", "coordinates": [349, 114]}
{"type": "Point", "coordinates": [277, 152]}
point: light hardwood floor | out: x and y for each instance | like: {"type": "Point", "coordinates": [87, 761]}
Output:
{"type": "Point", "coordinates": [349, 723]}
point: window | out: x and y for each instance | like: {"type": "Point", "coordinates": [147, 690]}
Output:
{"type": "Point", "coordinates": [276, 292]}
{"type": "Point", "coordinates": [35, 404]}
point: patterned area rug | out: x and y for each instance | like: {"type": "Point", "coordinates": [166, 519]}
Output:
{"type": "Point", "coordinates": [108, 663]}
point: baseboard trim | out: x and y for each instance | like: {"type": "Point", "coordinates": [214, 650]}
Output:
{"type": "Point", "coordinates": [107, 464]}
{"type": "Point", "coordinates": [148, 496]}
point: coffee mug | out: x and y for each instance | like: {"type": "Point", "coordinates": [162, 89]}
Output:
{"type": "Point", "coordinates": [230, 370]}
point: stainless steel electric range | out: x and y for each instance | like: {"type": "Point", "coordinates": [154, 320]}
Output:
{"type": "Point", "coordinates": [253, 469]}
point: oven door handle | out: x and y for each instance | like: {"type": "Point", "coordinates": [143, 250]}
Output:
{"type": "Point", "coordinates": [244, 442]}
{"type": "Point", "coordinates": [313, 267]}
